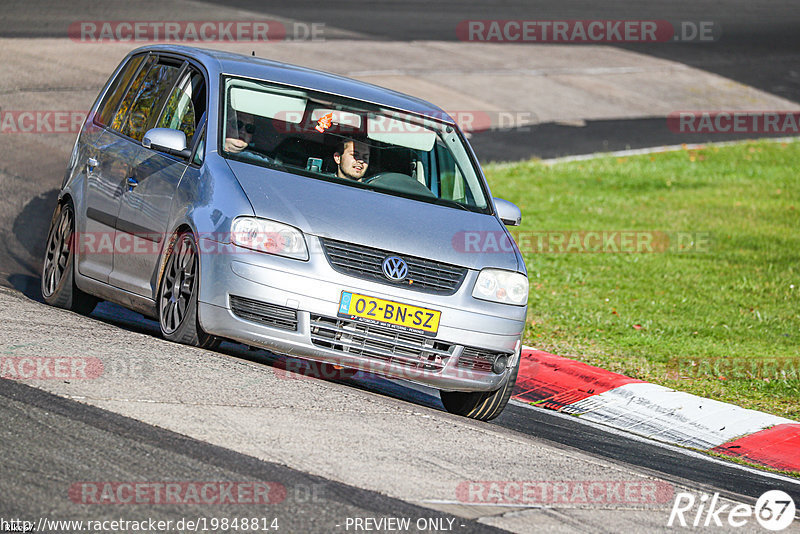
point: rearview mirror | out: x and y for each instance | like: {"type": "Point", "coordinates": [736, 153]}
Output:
{"type": "Point", "coordinates": [508, 212]}
{"type": "Point", "coordinates": [167, 140]}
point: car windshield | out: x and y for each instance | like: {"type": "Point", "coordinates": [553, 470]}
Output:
{"type": "Point", "coordinates": [352, 142]}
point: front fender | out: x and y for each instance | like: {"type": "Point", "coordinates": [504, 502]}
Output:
{"type": "Point", "coordinates": [206, 201]}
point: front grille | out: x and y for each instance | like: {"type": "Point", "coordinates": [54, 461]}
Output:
{"type": "Point", "coordinates": [366, 262]}
{"type": "Point", "coordinates": [380, 343]}
{"type": "Point", "coordinates": [479, 359]}
{"type": "Point", "coordinates": [264, 313]}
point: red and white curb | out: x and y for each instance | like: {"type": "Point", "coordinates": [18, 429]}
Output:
{"type": "Point", "coordinates": [656, 412]}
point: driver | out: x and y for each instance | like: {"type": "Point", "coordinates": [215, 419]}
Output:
{"type": "Point", "coordinates": [239, 137]}
{"type": "Point", "coordinates": [352, 159]}
{"type": "Point", "coordinates": [240, 134]}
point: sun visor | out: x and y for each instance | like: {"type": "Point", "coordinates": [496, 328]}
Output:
{"type": "Point", "coordinates": [400, 133]}
{"type": "Point", "coordinates": [263, 104]}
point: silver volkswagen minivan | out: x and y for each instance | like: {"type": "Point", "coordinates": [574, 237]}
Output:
{"type": "Point", "coordinates": [232, 197]}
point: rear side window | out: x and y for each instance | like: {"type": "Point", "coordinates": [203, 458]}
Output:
{"type": "Point", "coordinates": [185, 106]}
{"type": "Point", "coordinates": [149, 97]}
{"type": "Point", "coordinates": [125, 106]}
{"type": "Point", "coordinates": [117, 89]}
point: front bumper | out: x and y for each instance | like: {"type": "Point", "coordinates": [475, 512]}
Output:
{"type": "Point", "coordinates": [312, 289]}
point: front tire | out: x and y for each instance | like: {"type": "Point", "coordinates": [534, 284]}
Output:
{"type": "Point", "coordinates": [481, 405]}
{"type": "Point", "coordinates": [177, 296]}
{"type": "Point", "coordinates": [58, 269]}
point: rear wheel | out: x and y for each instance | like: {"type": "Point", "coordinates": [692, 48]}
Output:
{"type": "Point", "coordinates": [480, 405]}
{"type": "Point", "coordinates": [58, 269]}
{"type": "Point", "coordinates": [177, 300]}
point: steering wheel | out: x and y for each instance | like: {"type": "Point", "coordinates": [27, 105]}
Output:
{"type": "Point", "coordinates": [251, 154]}
{"type": "Point", "coordinates": [399, 182]}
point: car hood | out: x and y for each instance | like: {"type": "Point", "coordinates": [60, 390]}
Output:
{"type": "Point", "coordinates": [373, 219]}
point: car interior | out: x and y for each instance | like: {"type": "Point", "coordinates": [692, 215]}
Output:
{"type": "Point", "coordinates": [299, 132]}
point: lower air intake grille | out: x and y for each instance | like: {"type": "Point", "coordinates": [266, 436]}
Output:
{"type": "Point", "coordinates": [479, 359]}
{"type": "Point", "coordinates": [266, 314]}
{"type": "Point", "coordinates": [391, 346]}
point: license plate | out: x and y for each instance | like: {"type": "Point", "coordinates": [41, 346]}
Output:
{"type": "Point", "coordinates": [389, 313]}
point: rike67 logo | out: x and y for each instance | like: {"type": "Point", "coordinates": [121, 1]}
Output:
{"type": "Point", "coordinates": [774, 510]}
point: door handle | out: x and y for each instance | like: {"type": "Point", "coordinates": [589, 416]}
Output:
{"type": "Point", "coordinates": [91, 163]}
{"type": "Point", "coordinates": [132, 182]}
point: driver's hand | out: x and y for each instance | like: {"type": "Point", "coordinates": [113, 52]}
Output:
{"type": "Point", "coordinates": [234, 145]}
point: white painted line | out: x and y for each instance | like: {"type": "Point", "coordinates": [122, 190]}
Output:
{"type": "Point", "coordinates": [668, 446]}
{"type": "Point", "coordinates": [673, 416]}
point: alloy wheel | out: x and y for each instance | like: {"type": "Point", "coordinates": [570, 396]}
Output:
{"type": "Point", "coordinates": [58, 251]}
{"type": "Point", "coordinates": [179, 284]}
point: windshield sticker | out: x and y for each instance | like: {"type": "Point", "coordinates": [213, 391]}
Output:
{"type": "Point", "coordinates": [324, 123]}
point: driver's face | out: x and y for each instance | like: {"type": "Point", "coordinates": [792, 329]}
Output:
{"type": "Point", "coordinates": [245, 126]}
{"type": "Point", "coordinates": [353, 161]}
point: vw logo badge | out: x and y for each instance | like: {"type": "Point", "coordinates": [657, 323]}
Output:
{"type": "Point", "coordinates": [395, 268]}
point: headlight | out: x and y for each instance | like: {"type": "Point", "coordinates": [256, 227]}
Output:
{"type": "Point", "coordinates": [506, 287]}
{"type": "Point", "coordinates": [269, 236]}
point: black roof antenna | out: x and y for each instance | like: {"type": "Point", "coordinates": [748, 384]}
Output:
{"type": "Point", "coordinates": [254, 53]}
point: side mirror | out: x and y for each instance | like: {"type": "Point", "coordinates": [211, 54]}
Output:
{"type": "Point", "coordinates": [508, 212]}
{"type": "Point", "coordinates": [167, 140]}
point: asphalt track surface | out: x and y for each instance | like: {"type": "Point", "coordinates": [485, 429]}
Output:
{"type": "Point", "coordinates": [92, 444]}
{"type": "Point", "coordinates": [73, 418]}
{"type": "Point", "coordinates": [756, 44]}
{"type": "Point", "coordinates": [50, 442]}
{"type": "Point", "coordinates": [53, 438]}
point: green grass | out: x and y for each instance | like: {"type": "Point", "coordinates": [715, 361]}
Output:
{"type": "Point", "coordinates": [736, 297]}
